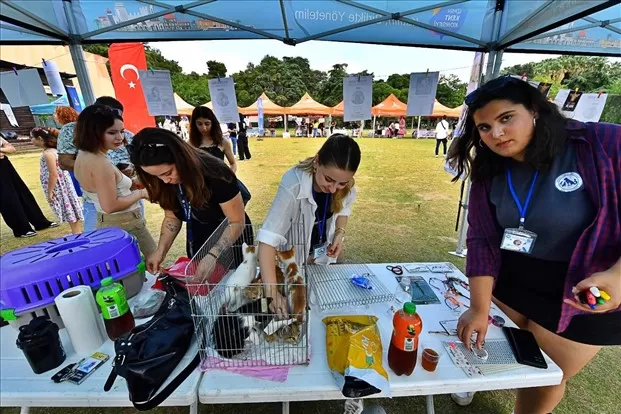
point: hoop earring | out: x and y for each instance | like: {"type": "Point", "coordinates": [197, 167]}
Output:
{"type": "Point", "coordinates": [481, 143]}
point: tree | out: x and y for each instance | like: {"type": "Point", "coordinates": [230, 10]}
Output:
{"type": "Point", "coordinates": [216, 69]}
{"type": "Point", "coordinates": [451, 91]}
{"type": "Point", "coordinates": [399, 81]}
{"type": "Point", "coordinates": [331, 93]}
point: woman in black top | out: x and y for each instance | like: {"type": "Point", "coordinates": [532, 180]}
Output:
{"type": "Point", "coordinates": [206, 134]}
{"type": "Point", "coordinates": [190, 186]}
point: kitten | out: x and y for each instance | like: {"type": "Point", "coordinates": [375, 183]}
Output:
{"type": "Point", "coordinates": [296, 289]}
{"type": "Point", "coordinates": [289, 334]}
{"type": "Point", "coordinates": [255, 289]}
{"type": "Point", "coordinates": [242, 277]}
{"type": "Point", "coordinates": [232, 332]}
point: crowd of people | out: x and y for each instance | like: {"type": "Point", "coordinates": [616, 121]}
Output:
{"type": "Point", "coordinates": [515, 143]}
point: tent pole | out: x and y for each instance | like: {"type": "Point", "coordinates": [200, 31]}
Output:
{"type": "Point", "coordinates": [285, 119]}
{"type": "Point", "coordinates": [497, 64]}
{"type": "Point", "coordinates": [374, 118]}
{"type": "Point", "coordinates": [77, 55]}
{"type": "Point", "coordinates": [418, 129]}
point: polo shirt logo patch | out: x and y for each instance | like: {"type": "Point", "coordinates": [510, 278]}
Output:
{"type": "Point", "coordinates": [568, 182]}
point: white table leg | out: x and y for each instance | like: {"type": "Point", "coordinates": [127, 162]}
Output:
{"type": "Point", "coordinates": [24, 410]}
{"type": "Point", "coordinates": [194, 407]}
{"type": "Point", "coordinates": [429, 403]}
{"type": "Point", "coordinates": [285, 407]}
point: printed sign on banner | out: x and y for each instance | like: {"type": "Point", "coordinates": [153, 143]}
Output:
{"type": "Point", "coordinates": [422, 93]}
{"type": "Point", "coordinates": [590, 107]}
{"type": "Point", "coordinates": [561, 97]}
{"type": "Point", "coordinates": [224, 101]}
{"type": "Point", "coordinates": [357, 98]}
{"type": "Point", "coordinates": [158, 92]}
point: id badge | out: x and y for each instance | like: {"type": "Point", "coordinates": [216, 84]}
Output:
{"type": "Point", "coordinates": [320, 250]}
{"type": "Point", "coordinates": [518, 240]}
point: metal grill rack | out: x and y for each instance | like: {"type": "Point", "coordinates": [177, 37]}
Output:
{"type": "Point", "coordinates": [333, 288]}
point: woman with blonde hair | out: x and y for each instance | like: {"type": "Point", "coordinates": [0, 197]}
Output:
{"type": "Point", "coordinates": [317, 194]}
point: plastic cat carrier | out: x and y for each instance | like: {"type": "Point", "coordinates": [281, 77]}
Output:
{"type": "Point", "coordinates": [33, 276]}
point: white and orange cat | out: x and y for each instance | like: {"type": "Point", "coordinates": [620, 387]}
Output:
{"type": "Point", "coordinates": [296, 289]}
{"type": "Point", "coordinates": [243, 276]}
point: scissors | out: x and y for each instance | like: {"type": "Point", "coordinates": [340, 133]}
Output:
{"type": "Point", "coordinates": [397, 270]}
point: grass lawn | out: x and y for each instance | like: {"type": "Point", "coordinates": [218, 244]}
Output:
{"type": "Point", "coordinates": [405, 212]}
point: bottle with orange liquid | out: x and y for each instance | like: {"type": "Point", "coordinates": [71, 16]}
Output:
{"type": "Point", "coordinates": [407, 326]}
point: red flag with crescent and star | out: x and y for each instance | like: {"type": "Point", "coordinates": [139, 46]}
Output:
{"type": "Point", "coordinates": [126, 59]}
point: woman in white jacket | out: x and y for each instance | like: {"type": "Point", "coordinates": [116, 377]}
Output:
{"type": "Point", "coordinates": [317, 194]}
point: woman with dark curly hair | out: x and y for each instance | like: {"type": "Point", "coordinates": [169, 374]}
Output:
{"type": "Point", "coordinates": [545, 226]}
{"type": "Point", "coordinates": [56, 183]}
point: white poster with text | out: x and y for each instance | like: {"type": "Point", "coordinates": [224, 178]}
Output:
{"type": "Point", "coordinates": [422, 93]}
{"type": "Point", "coordinates": [158, 92]}
{"type": "Point", "coordinates": [224, 101]}
{"type": "Point", "coordinates": [357, 98]}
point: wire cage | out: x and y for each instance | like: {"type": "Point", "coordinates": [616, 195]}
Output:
{"type": "Point", "coordinates": [230, 304]}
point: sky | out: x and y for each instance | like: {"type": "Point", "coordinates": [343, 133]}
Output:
{"type": "Point", "coordinates": [381, 60]}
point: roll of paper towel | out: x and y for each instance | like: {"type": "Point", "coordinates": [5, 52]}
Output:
{"type": "Point", "coordinates": [79, 311]}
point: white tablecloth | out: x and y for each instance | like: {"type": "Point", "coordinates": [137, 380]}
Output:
{"type": "Point", "coordinates": [20, 387]}
{"type": "Point", "coordinates": [314, 382]}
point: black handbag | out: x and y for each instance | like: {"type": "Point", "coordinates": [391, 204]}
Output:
{"type": "Point", "coordinates": [148, 354]}
{"type": "Point", "coordinates": [245, 193]}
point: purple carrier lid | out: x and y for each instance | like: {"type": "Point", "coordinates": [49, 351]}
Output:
{"type": "Point", "coordinates": [33, 276]}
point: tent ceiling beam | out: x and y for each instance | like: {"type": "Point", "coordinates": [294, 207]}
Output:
{"type": "Point", "coordinates": [596, 23]}
{"type": "Point", "coordinates": [284, 22]}
{"type": "Point", "coordinates": [19, 29]}
{"type": "Point", "coordinates": [605, 24]}
{"type": "Point", "coordinates": [221, 21]}
{"type": "Point", "coordinates": [401, 17]}
{"type": "Point", "coordinates": [168, 9]}
{"type": "Point", "coordinates": [38, 30]}
{"type": "Point", "coordinates": [50, 27]}
{"type": "Point", "coordinates": [525, 21]}
{"type": "Point", "coordinates": [552, 26]}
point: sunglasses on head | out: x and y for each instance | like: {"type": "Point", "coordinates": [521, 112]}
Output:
{"type": "Point", "coordinates": [108, 110]}
{"type": "Point", "coordinates": [492, 86]}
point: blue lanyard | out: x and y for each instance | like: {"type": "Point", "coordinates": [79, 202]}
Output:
{"type": "Point", "coordinates": [187, 215]}
{"type": "Point", "coordinates": [321, 225]}
{"type": "Point", "coordinates": [521, 209]}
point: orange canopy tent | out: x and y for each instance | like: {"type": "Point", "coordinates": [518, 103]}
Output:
{"type": "Point", "coordinates": [269, 107]}
{"type": "Point", "coordinates": [391, 106]}
{"type": "Point", "coordinates": [308, 106]}
{"type": "Point", "coordinates": [441, 110]}
{"type": "Point", "coordinates": [339, 110]}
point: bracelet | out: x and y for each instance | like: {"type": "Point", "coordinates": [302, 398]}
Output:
{"type": "Point", "coordinates": [341, 229]}
{"type": "Point", "coordinates": [212, 255]}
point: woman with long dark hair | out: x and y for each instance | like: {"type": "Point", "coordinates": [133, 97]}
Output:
{"type": "Point", "coordinates": [191, 186]}
{"type": "Point", "coordinates": [206, 134]}
{"type": "Point", "coordinates": [545, 226]}
{"type": "Point", "coordinates": [100, 129]}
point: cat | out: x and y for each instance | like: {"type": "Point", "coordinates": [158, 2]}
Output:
{"type": "Point", "coordinates": [242, 277]}
{"type": "Point", "coordinates": [233, 331]}
{"type": "Point", "coordinates": [289, 334]}
{"type": "Point", "coordinates": [255, 289]}
{"type": "Point", "coordinates": [296, 289]}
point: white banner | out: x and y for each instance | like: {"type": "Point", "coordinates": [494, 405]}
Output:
{"type": "Point", "coordinates": [8, 111]}
{"type": "Point", "coordinates": [53, 78]}
{"type": "Point", "coordinates": [23, 88]}
{"type": "Point", "coordinates": [357, 98]}
{"type": "Point", "coordinates": [224, 101]}
{"type": "Point", "coordinates": [590, 107]}
{"type": "Point", "coordinates": [422, 93]}
{"type": "Point", "coordinates": [158, 92]}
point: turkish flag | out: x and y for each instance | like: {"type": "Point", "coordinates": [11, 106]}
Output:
{"type": "Point", "coordinates": [126, 59]}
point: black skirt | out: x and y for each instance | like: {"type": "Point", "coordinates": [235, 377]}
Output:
{"type": "Point", "coordinates": [534, 288]}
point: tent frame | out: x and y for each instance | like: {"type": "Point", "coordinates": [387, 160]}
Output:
{"type": "Point", "coordinates": [495, 48]}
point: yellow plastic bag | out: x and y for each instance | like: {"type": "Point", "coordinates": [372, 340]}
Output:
{"type": "Point", "coordinates": [354, 351]}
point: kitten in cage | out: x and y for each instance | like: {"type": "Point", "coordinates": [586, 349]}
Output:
{"type": "Point", "coordinates": [242, 277]}
{"type": "Point", "coordinates": [289, 334]}
{"type": "Point", "coordinates": [234, 332]}
{"type": "Point", "coordinates": [296, 289]}
{"type": "Point", "coordinates": [255, 289]}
